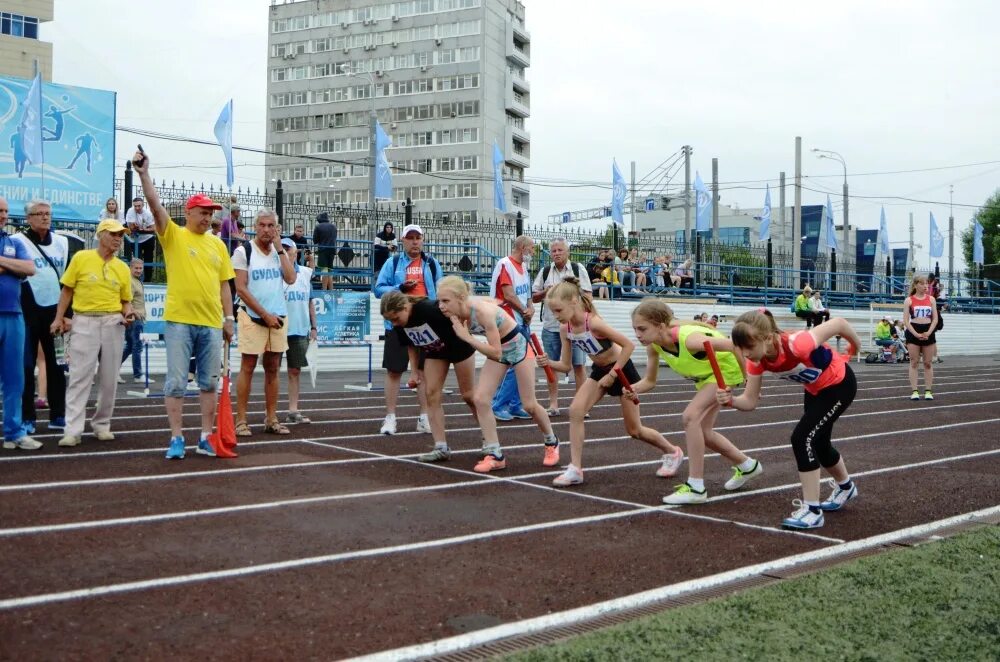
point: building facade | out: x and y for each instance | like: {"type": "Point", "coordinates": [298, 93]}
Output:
{"type": "Point", "coordinates": [446, 79]}
{"type": "Point", "coordinates": [19, 43]}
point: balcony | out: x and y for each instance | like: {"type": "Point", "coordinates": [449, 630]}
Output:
{"type": "Point", "coordinates": [517, 83]}
{"type": "Point", "coordinates": [519, 133]}
{"type": "Point", "coordinates": [518, 154]}
{"type": "Point", "coordinates": [518, 48]}
{"type": "Point", "coordinates": [517, 103]}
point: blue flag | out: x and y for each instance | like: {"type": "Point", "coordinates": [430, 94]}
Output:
{"type": "Point", "coordinates": [224, 134]}
{"type": "Point", "coordinates": [383, 174]}
{"type": "Point", "coordinates": [937, 239]}
{"type": "Point", "coordinates": [883, 235]}
{"type": "Point", "coordinates": [702, 206]}
{"type": "Point", "coordinates": [765, 216]}
{"type": "Point", "coordinates": [499, 199]}
{"type": "Point", "coordinates": [29, 129]}
{"type": "Point", "coordinates": [977, 244]}
{"type": "Point", "coordinates": [831, 228]}
{"type": "Point", "coordinates": [618, 190]}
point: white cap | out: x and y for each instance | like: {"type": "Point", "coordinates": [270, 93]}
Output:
{"type": "Point", "coordinates": [413, 228]}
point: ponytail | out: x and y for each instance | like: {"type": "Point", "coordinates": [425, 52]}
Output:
{"type": "Point", "coordinates": [753, 327]}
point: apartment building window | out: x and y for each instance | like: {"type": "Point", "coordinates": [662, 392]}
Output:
{"type": "Point", "coordinates": [468, 163]}
{"type": "Point", "coordinates": [468, 190]}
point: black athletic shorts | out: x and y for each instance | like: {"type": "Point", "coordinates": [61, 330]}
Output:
{"type": "Point", "coordinates": [325, 258]}
{"type": "Point", "coordinates": [920, 328]}
{"type": "Point", "coordinates": [596, 372]}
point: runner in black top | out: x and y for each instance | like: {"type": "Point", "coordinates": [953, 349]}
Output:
{"type": "Point", "coordinates": [426, 332]}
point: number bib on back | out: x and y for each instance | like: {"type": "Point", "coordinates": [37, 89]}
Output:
{"type": "Point", "coordinates": [801, 374]}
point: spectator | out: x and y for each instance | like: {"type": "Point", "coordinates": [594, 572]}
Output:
{"type": "Point", "coordinates": [98, 286]}
{"type": "Point", "coordinates": [683, 275]}
{"type": "Point", "coordinates": [511, 287]}
{"type": "Point", "coordinates": [700, 317]}
{"type": "Point", "coordinates": [595, 271]}
{"type": "Point", "coordinates": [301, 244]}
{"type": "Point", "coordinates": [625, 274]}
{"type": "Point", "coordinates": [217, 227]}
{"type": "Point", "coordinates": [712, 321]}
{"type": "Point", "coordinates": [133, 332]}
{"type": "Point", "coordinates": [325, 243]}
{"type": "Point", "coordinates": [560, 269]}
{"type": "Point", "coordinates": [39, 298]}
{"type": "Point", "coordinates": [803, 309]}
{"type": "Point", "coordinates": [384, 245]}
{"type": "Point", "coordinates": [15, 264]}
{"type": "Point", "coordinates": [197, 315]}
{"type": "Point", "coordinates": [415, 273]}
{"type": "Point", "coordinates": [820, 313]}
{"type": "Point", "coordinates": [301, 329]}
{"type": "Point", "coordinates": [898, 333]}
{"type": "Point", "coordinates": [231, 229]}
{"type": "Point", "coordinates": [141, 226]}
{"type": "Point", "coordinates": [110, 210]}
{"type": "Point", "coordinates": [883, 333]}
{"type": "Point", "coordinates": [263, 269]}
{"type": "Point", "coordinates": [639, 271]}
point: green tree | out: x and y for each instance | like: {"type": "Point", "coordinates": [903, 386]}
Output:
{"type": "Point", "coordinates": [989, 217]}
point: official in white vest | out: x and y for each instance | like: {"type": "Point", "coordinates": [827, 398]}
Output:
{"type": "Point", "coordinates": [260, 283]}
{"type": "Point", "coordinates": [301, 328]}
{"type": "Point", "coordinates": [511, 287]}
{"type": "Point", "coordinates": [39, 298]}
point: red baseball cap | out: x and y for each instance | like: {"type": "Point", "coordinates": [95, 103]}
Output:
{"type": "Point", "coordinates": [201, 200]}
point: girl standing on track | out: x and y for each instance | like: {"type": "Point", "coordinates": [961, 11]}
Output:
{"type": "Point", "coordinates": [505, 346]}
{"type": "Point", "coordinates": [610, 350]}
{"type": "Point", "coordinates": [920, 319]}
{"type": "Point", "coordinates": [420, 323]}
{"type": "Point", "coordinates": [830, 388]}
{"type": "Point", "coordinates": [681, 346]}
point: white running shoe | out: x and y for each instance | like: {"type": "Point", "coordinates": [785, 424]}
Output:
{"type": "Point", "coordinates": [671, 463]}
{"type": "Point", "coordinates": [741, 478]}
{"type": "Point", "coordinates": [25, 443]}
{"type": "Point", "coordinates": [572, 476]}
{"type": "Point", "coordinates": [839, 497]}
{"type": "Point", "coordinates": [423, 424]}
{"type": "Point", "coordinates": [686, 495]}
{"type": "Point", "coordinates": [803, 518]}
{"type": "Point", "coordinates": [388, 425]}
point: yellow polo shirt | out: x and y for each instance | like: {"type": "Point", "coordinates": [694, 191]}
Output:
{"type": "Point", "coordinates": [98, 286]}
{"type": "Point", "coordinates": [196, 264]}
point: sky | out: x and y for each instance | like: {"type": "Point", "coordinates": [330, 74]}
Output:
{"type": "Point", "coordinates": [890, 85]}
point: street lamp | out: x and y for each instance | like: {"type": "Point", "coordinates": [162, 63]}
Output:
{"type": "Point", "coordinates": [829, 154]}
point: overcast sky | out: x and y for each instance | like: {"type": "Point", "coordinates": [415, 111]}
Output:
{"type": "Point", "coordinates": [890, 85]}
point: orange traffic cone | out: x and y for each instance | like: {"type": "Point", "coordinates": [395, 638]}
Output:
{"type": "Point", "coordinates": [223, 440]}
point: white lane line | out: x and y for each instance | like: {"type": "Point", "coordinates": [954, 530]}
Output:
{"type": "Point", "coordinates": [482, 480]}
{"type": "Point", "coordinates": [580, 614]}
{"type": "Point", "coordinates": [296, 465]}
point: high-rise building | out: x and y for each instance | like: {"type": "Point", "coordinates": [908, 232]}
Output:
{"type": "Point", "coordinates": [19, 44]}
{"type": "Point", "coordinates": [446, 78]}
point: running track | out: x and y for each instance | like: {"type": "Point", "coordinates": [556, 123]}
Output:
{"type": "Point", "coordinates": [334, 542]}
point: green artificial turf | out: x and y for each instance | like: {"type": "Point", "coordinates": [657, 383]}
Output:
{"type": "Point", "coordinates": [939, 601]}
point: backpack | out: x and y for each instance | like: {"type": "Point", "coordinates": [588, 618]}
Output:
{"type": "Point", "coordinates": [872, 357]}
{"type": "Point", "coordinates": [548, 268]}
{"type": "Point", "coordinates": [432, 264]}
{"type": "Point", "coordinates": [792, 307]}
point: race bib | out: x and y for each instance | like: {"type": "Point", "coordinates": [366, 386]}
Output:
{"type": "Point", "coordinates": [588, 345]}
{"type": "Point", "coordinates": [922, 311]}
{"type": "Point", "coordinates": [424, 336]}
{"type": "Point", "coordinates": [801, 374]}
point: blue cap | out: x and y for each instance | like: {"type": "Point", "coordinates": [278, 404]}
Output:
{"type": "Point", "coordinates": [287, 243]}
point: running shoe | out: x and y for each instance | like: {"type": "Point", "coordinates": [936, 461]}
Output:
{"type": "Point", "coordinates": [69, 440]}
{"type": "Point", "coordinates": [928, 395]}
{"type": "Point", "coordinates": [686, 495]}
{"type": "Point", "coordinates": [490, 463]}
{"type": "Point", "coordinates": [436, 455]}
{"type": "Point", "coordinates": [802, 518]}
{"type": "Point", "coordinates": [58, 423]}
{"type": "Point", "coordinates": [104, 435]}
{"type": "Point", "coordinates": [25, 443]}
{"type": "Point", "coordinates": [915, 395]}
{"type": "Point", "coordinates": [204, 447]}
{"type": "Point", "coordinates": [839, 497]}
{"type": "Point", "coordinates": [551, 458]}
{"type": "Point", "coordinates": [520, 413]}
{"type": "Point", "coordinates": [502, 415]}
{"type": "Point", "coordinates": [28, 427]}
{"type": "Point", "coordinates": [423, 424]}
{"type": "Point", "coordinates": [296, 417]}
{"type": "Point", "coordinates": [388, 425]}
{"type": "Point", "coordinates": [553, 411]}
{"type": "Point", "coordinates": [671, 463]}
{"type": "Point", "coordinates": [572, 476]}
{"type": "Point", "coordinates": [741, 478]}
{"type": "Point", "coordinates": [176, 450]}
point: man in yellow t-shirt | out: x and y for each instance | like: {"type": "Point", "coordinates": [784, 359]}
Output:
{"type": "Point", "coordinates": [199, 306]}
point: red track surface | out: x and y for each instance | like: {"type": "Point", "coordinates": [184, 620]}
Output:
{"type": "Point", "coordinates": [334, 542]}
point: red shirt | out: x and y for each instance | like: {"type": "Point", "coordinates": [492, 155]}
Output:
{"type": "Point", "coordinates": [800, 360]}
{"type": "Point", "coordinates": [415, 272]}
{"type": "Point", "coordinates": [921, 308]}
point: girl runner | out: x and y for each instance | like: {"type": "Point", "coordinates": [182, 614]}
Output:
{"type": "Point", "coordinates": [610, 351]}
{"type": "Point", "coordinates": [920, 319]}
{"type": "Point", "coordinates": [830, 387]}
{"type": "Point", "coordinates": [420, 324]}
{"type": "Point", "coordinates": [505, 346]}
{"type": "Point", "coordinates": [682, 347]}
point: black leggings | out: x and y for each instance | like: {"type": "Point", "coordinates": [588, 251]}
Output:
{"type": "Point", "coordinates": [811, 437]}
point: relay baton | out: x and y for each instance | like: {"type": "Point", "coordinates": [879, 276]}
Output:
{"type": "Point", "coordinates": [550, 374]}
{"type": "Point", "coordinates": [710, 351]}
{"type": "Point", "coordinates": [625, 383]}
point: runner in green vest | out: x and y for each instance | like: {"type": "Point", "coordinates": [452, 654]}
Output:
{"type": "Point", "coordinates": [682, 348]}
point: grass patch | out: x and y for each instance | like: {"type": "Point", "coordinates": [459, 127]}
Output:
{"type": "Point", "coordinates": [939, 601]}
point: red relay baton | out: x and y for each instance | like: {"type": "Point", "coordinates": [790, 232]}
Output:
{"type": "Point", "coordinates": [710, 351]}
{"type": "Point", "coordinates": [550, 374]}
{"type": "Point", "coordinates": [625, 383]}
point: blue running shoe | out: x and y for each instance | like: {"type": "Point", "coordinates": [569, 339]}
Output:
{"type": "Point", "coordinates": [176, 450]}
{"type": "Point", "coordinates": [839, 497]}
{"type": "Point", "coordinates": [803, 518]}
{"type": "Point", "coordinates": [205, 448]}
{"type": "Point", "coordinates": [28, 427]}
{"type": "Point", "coordinates": [520, 413]}
{"type": "Point", "coordinates": [57, 424]}
{"type": "Point", "coordinates": [503, 415]}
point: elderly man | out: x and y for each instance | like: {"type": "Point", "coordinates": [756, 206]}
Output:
{"type": "Point", "coordinates": [511, 287]}
{"type": "Point", "coordinates": [15, 264]}
{"type": "Point", "coordinates": [261, 278]}
{"type": "Point", "coordinates": [133, 334]}
{"type": "Point", "coordinates": [39, 296]}
{"type": "Point", "coordinates": [140, 223]}
{"type": "Point", "coordinates": [415, 273]}
{"type": "Point", "coordinates": [301, 328]}
{"type": "Point", "coordinates": [99, 287]}
{"type": "Point", "coordinates": [199, 306]}
{"type": "Point", "coordinates": [560, 269]}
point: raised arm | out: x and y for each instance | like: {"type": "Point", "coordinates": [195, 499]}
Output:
{"type": "Point", "coordinates": [160, 216]}
{"type": "Point", "coordinates": [838, 326]}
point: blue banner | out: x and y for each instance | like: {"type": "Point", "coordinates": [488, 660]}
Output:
{"type": "Point", "coordinates": [978, 257]}
{"type": "Point", "coordinates": [618, 190]}
{"type": "Point", "coordinates": [383, 175]}
{"type": "Point", "coordinates": [342, 317]}
{"type": "Point", "coordinates": [937, 239]}
{"type": "Point", "coordinates": [156, 299]}
{"type": "Point", "coordinates": [831, 227]}
{"type": "Point", "coordinates": [765, 216]}
{"type": "Point", "coordinates": [883, 234]}
{"type": "Point", "coordinates": [224, 134]}
{"type": "Point", "coordinates": [499, 199]}
{"type": "Point", "coordinates": [78, 131]}
{"type": "Point", "coordinates": [702, 205]}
